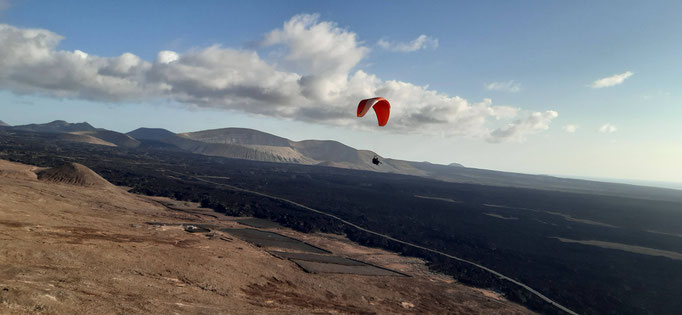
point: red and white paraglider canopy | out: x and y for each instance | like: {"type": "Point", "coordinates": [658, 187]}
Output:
{"type": "Point", "coordinates": [381, 107]}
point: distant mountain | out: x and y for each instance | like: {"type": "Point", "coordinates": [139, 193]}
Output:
{"type": "Point", "coordinates": [117, 138]}
{"type": "Point", "coordinates": [242, 136]}
{"type": "Point", "coordinates": [249, 144]}
{"type": "Point", "coordinates": [214, 146]}
{"type": "Point", "coordinates": [156, 134]}
{"type": "Point", "coordinates": [3, 124]}
{"type": "Point", "coordinates": [56, 126]}
{"type": "Point", "coordinates": [100, 135]}
{"type": "Point", "coordinates": [252, 144]}
{"type": "Point", "coordinates": [265, 153]}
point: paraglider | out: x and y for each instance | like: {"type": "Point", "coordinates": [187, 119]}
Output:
{"type": "Point", "coordinates": [381, 107]}
{"type": "Point", "coordinates": [383, 110]}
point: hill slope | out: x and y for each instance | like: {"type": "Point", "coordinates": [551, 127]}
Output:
{"type": "Point", "coordinates": [83, 138]}
{"type": "Point", "coordinates": [73, 174]}
{"type": "Point", "coordinates": [117, 138]}
{"type": "Point", "coordinates": [156, 134]}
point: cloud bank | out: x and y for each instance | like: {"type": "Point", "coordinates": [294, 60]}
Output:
{"type": "Point", "coordinates": [419, 43]}
{"type": "Point", "coordinates": [570, 128]}
{"type": "Point", "coordinates": [517, 130]}
{"type": "Point", "coordinates": [508, 86]}
{"type": "Point", "coordinates": [608, 128]}
{"type": "Point", "coordinates": [612, 80]}
{"type": "Point", "coordinates": [314, 80]}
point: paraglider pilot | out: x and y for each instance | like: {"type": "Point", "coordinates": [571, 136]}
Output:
{"type": "Point", "coordinates": [382, 108]}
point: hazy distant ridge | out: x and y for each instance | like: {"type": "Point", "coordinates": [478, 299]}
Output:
{"type": "Point", "coordinates": [249, 144]}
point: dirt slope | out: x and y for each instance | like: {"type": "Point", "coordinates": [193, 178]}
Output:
{"type": "Point", "coordinates": [75, 137]}
{"type": "Point", "coordinates": [17, 171]}
{"type": "Point", "coordinates": [68, 249]}
{"type": "Point", "coordinates": [73, 174]}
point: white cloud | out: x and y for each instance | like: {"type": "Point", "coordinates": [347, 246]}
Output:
{"type": "Point", "coordinates": [612, 80]}
{"type": "Point", "coordinates": [314, 80]}
{"type": "Point", "coordinates": [608, 128]}
{"type": "Point", "coordinates": [519, 129]}
{"type": "Point", "coordinates": [81, 54]}
{"type": "Point", "coordinates": [315, 46]}
{"type": "Point", "coordinates": [421, 42]}
{"type": "Point", "coordinates": [230, 79]}
{"type": "Point", "coordinates": [323, 53]}
{"type": "Point", "coordinates": [167, 56]}
{"type": "Point", "coordinates": [508, 86]}
{"type": "Point", "coordinates": [30, 63]}
{"type": "Point", "coordinates": [570, 128]}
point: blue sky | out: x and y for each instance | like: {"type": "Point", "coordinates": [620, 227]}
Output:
{"type": "Point", "coordinates": [491, 84]}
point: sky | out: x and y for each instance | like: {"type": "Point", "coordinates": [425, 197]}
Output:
{"type": "Point", "coordinates": [570, 88]}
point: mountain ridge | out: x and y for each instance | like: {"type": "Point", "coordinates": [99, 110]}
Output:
{"type": "Point", "coordinates": [83, 129]}
{"type": "Point", "coordinates": [56, 126]}
{"type": "Point", "coordinates": [250, 144]}
{"type": "Point", "coordinates": [330, 153]}
{"type": "Point", "coordinates": [257, 145]}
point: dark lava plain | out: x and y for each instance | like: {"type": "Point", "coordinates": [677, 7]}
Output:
{"type": "Point", "coordinates": [259, 223]}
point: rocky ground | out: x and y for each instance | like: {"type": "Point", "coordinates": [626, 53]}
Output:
{"type": "Point", "coordinates": [88, 249]}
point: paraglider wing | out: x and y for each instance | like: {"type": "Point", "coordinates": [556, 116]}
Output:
{"type": "Point", "coordinates": [381, 107]}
